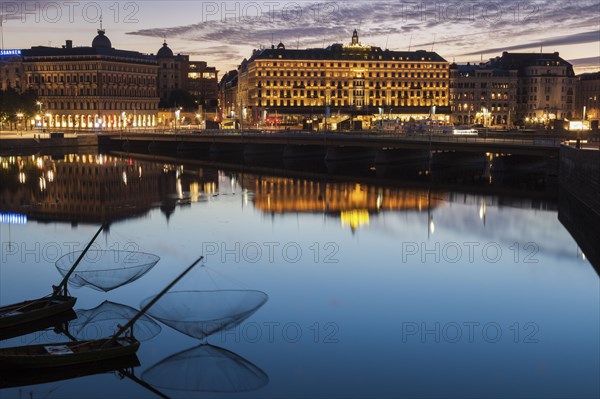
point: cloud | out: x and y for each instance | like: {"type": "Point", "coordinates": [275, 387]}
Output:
{"type": "Point", "coordinates": [578, 38]}
{"type": "Point", "coordinates": [460, 27]}
{"type": "Point", "coordinates": [589, 62]}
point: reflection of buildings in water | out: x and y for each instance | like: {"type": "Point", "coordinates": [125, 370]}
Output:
{"type": "Point", "coordinates": [87, 188]}
{"type": "Point", "coordinates": [92, 188]}
{"type": "Point", "coordinates": [353, 202]}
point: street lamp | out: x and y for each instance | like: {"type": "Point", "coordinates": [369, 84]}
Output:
{"type": "Point", "coordinates": [19, 117]}
{"type": "Point", "coordinates": [177, 113]}
{"type": "Point", "coordinates": [39, 117]}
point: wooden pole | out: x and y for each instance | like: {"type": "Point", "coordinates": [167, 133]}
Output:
{"type": "Point", "coordinates": [64, 281]}
{"type": "Point", "coordinates": [153, 301]}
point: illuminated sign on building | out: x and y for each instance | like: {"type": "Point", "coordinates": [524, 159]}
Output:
{"type": "Point", "coordinates": [10, 52]}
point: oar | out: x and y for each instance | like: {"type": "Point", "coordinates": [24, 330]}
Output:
{"type": "Point", "coordinates": [64, 281]}
{"type": "Point", "coordinates": [131, 322]}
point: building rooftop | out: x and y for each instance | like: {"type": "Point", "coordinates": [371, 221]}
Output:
{"type": "Point", "coordinates": [522, 60]}
{"type": "Point", "coordinates": [355, 51]}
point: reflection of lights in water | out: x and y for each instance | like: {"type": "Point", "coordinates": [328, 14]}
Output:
{"type": "Point", "coordinates": [194, 191]}
{"type": "Point", "coordinates": [22, 178]}
{"type": "Point", "coordinates": [125, 177]}
{"type": "Point", "coordinates": [355, 218]}
{"type": "Point", "coordinates": [13, 218]}
{"type": "Point", "coordinates": [233, 184]}
{"type": "Point", "coordinates": [210, 188]}
{"type": "Point", "coordinates": [42, 183]}
{"type": "Point", "coordinates": [50, 176]}
{"type": "Point", "coordinates": [431, 225]}
{"type": "Point", "coordinates": [140, 171]}
{"type": "Point", "coordinates": [245, 197]}
{"type": "Point", "coordinates": [40, 163]}
{"type": "Point", "coordinates": [100, 159]}
{"type": "Point", "coordinates": [179, 189]}
{"type": "Point", "coordinates": [379, 200]}
{"type": "Point", "coordinates": [482, 210]}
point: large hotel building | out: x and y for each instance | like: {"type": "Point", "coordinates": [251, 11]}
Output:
{"type": "Point", "coordinates": [98, 86]}
{"type": "Point", "coordinates": [342, 81]}
{"type": "Point", "coordinates": [92, 87]}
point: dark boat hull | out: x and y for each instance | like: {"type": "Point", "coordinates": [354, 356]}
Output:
{"type": "Point", "coordinates": [66, 354]}
{"type": "Point", "coordinates": [37, 309]}
{"type": "Point", "coordinates": [25, 377]}
{"type": "Point", "coordinates": [55, 321]}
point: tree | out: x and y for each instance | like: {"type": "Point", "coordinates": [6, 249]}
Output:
{"type": "Point", "coordinates": [13, 103]}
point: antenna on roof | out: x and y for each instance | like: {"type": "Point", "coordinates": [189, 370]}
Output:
{"type": "Point", "coordinates": [101, 22]}
{"type": "Point", "coordinates": [272, 40]}
{"type": "Point", "coordinates": [410, 43]}
{"type": "Point", "coordinates": [541, 48]}
{"type": "Point", "coordinates": [433, 44]}
{"type": "Point", "coordinates": [386, 41]}
{"type": "Point", "coordinates": [297, 42]}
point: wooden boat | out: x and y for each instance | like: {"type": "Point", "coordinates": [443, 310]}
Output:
{"type": "Point", "coordinates": [55, 321]}
{"type": "Point", "coordinates": [67, 353]}
{"type": "Point", "coordinates": [29, 311]}
{"type": "Point", "coordinates": [19, 314]}
{"type": "Point", "coordinates": [81, 352]}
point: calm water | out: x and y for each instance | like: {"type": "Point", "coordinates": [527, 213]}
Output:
{"type": "Point", "coordinates": [375, 290]}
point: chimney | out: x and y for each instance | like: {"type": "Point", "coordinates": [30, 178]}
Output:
{"type": "Point", "coordinates": [69, 43]}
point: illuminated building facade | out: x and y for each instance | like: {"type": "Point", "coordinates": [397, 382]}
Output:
{"type": "Point", "coordinates": [588, 96]}
{"type": "Point", "coordinates": [92, 87]}
{"type": "Point", "coordinates": [546, 85]}
{"type": "Point", "coordinates": [353, 79]}
{"type": "Point", "coordinates": [481, 94]}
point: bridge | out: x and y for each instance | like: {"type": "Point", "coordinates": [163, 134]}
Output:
{"type": "Point", "coordinates": [333, 145]}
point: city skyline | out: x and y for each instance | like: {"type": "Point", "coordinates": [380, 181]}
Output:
{"type": "Point", "coordinates": [224, 33]}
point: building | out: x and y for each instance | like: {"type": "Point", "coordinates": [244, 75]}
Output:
{"type": "Point", "coordinates": [11, 70]}
{"type": "Point", "coordinates": [172, 73]}
{"type": "Point", "coordinates": [228, 95]}
{"type": "Point", "coordinates": [342, 81]}
{"type": "Point", "coordinates": [482, 94]}
{"type": "Point", "coordinates": [93, 86]}
{"type": "Point", "coordinates": [202, 83]}
{"type": "Point", "coordinates": [546, 85]}
{"type": "Point", "coordinates": [588, 96]}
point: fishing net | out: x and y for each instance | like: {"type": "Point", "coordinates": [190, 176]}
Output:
{"type": "Point", "coordinates": [206, 368]}
{"type": "Point", "coordinates": [103, 321]}
{"type": "Point", "coordinates": [202, 313]}
{"type": "Point", "coordinates": [105, 270]}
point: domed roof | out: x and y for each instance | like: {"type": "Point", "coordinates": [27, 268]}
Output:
{"type": "Point", "coordinates": [165, 51]}
{"type": "Point", "coordinates": [101, 41]}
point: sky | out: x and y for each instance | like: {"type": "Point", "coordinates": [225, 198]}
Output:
{"type": "Point", "coordinates": [223, 33]}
